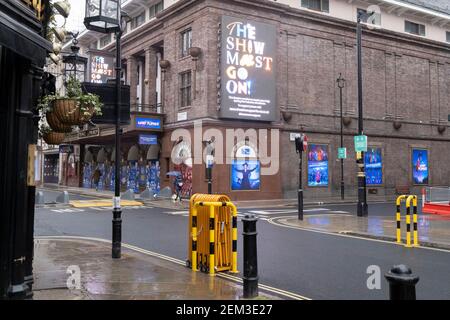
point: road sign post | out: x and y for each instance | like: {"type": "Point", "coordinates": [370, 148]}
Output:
{"type": "Point", "coordinates": [301, 145]}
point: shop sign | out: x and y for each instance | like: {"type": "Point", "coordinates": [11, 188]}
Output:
{"type": "Point", "coordinates": [148, 139]}
{"type": "Point", "coordinates": [148, 123]}
{"type": "Point", "coordinates": [89, 133]}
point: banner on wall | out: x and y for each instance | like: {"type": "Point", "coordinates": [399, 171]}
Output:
{"type": "Point", "coordinates": [317, 165]}
{"type": "Point", "coordinates": [420, 166]}
{"type": "Point", "coordinates": [245, 175]}
{"type": "Point", "coordinates": [374, 166]}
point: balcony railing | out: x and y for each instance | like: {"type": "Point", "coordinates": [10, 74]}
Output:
{"type": "Point", "coordinates": [147, 108]}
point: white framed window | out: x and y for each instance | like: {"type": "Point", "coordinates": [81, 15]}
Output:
{"type": "Point", "coordinates": [186, 42]}
{"type": "Point", "coordinates": [317, 5]}
{"type": "Point", "coordinates": [414, 28]}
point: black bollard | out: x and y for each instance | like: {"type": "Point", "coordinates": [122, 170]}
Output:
{"type": "Point", "coordinates": [402, 283]}
{"type": "Point", "coordinates": [250, 257]}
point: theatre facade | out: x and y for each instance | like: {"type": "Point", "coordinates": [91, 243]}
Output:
{"type": "Point", "coordinates": [237, 80]}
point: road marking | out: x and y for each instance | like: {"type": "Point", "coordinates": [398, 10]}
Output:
{"type": "Point", "coordinates": [291, 295]}
{"type": "Point", "coordinates": [271, 221]}
{"type": "Point", "coordinates": [177, 213]}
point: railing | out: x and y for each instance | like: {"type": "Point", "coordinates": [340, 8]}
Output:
{"type": "Point", "coordinates": [437, 195]}
{"type": "Point", "coordinates": [149, 108]}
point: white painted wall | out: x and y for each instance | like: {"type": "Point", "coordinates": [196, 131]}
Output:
{"type": "Point", "coordinates": [346, 10]}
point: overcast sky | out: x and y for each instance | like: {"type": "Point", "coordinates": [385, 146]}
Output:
{"type": "Point", "coordinates": [75, 19]}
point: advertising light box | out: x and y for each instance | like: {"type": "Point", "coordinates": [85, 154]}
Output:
{"type": "Point", "coordinates": [248, 67]}
{"type": "Point", "coordinates": [420, 166]}
{"type": "Point", "coordinates": [317, 165]}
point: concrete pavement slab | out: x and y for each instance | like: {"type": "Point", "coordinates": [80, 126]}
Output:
{"type": "Point", "coordinates": [87, 266]}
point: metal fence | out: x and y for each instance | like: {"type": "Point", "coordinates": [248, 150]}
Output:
{"type": "Point", "coordinates": [437, 195]}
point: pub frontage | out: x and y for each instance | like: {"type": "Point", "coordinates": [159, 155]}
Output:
{"type": "Point", "coordinates": [23, 51]}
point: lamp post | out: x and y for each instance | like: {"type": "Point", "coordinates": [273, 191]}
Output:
{"type": "Point", "coordinates": [74, 64]}
{"type": "Point", "coordinates": [105, 16]}
{"type": "Point", "coordinates": [341, 85]}
{"type": "Point", "coordinates": [362, 198]}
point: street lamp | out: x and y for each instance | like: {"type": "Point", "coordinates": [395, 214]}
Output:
{"type": "Point", "coordinates": [105, 16]}
{"type": "Point", "coordinates": [341, 85]}
{"type": "Point", "coordinates": [74, 64]}
{"type": "Point", "coordinates": [362, 209]}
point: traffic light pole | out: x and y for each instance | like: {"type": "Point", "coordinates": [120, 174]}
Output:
{"type": "Point", "coordinates": [300, 188]}
{"type": "Point", "coordinates": [362, 209]}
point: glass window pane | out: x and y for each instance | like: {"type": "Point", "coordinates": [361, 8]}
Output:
{"type": "Point", "coordinates": [110, 8]}
{"type": "Point", "coordinates": [93, 8]}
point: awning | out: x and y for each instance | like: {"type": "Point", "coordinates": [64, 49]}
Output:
{"type": "Point", "coordinates": [22, 40]}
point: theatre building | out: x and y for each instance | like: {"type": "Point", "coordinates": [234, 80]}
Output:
{"type": "Point", "coordinates": [238, 79]}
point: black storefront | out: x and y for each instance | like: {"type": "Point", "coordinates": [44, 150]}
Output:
{"type": "Point", "coordinates": [23, 51]}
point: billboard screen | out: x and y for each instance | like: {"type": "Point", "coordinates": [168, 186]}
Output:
{"type": "Point", "coordinates": [317, 165]}
{"type": "Point", "coordinates": [247, 73]}
{"type": "Point", "coordinates": [420, 166]}
{"type": "Point", "coordinates": [101, 68]}
{"type": "Point", "coordinates": [374, 166]}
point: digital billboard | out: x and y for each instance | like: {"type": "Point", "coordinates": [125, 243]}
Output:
{"type": "Point", "coordinates": [245, 175]}
{"type": "Point", "coordinates": [374, 166]}
{"type": "Point", "coordinates": [420, 166]}
{"type": "Point", "coordinates": [248, 66]}
{"type": "Point", "coordinates": [101, 68]}
{"type": "Point", "coordinates": [317, 165]}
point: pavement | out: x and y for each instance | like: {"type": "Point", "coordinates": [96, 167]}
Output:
{"type": "Point", "coordinates": [433, 230]}
{"type": "Point", "coordinates": [70, 268]}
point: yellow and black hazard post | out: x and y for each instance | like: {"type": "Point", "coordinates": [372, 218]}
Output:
{"type": "Point", "coordinates": [212, 226]}
{"type": "Point", "coordinates": [398, 218]}
{"type": "Point", "coordinates": [234, 245]}
{"type": "Point", "coordinates": [194, 239]}
{"type": "Point", "coordinates": [412, 199]}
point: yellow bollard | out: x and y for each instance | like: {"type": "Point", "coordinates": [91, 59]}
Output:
{"type": "Point", "coordinates": [212, 224]}
{"type": "Point", "coordinates": [416, 234]}
{"type": "Point", "coordinates": [398, 218]}
{"type": "Point", "coordinates": [194, 239]}
{"type": "Point", "coordinates": [234, 244]}
{"type": "Point", "coordinates": [408, 221]}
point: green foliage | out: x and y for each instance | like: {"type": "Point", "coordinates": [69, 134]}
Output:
{"type": "Point", "coordinates": [87, 102]}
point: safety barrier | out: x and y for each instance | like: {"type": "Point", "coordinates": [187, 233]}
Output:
{"type": "Point", "coordinates": [408, 200]}
{"type": "Point", "coordinates": [212, 234]}
{"type": "Point", "coordinates": [436, 200]}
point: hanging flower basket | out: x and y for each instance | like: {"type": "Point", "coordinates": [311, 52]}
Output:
{"type": "Point", "coordinates": [70, 113]}
{"type": "Point", "coordinates": [53, 138]}
{"type": "Point", "coordinates": [56, 125]}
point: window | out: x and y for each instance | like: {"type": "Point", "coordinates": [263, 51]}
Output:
{"type": "Point", "coordinates": [448, 36]}
{"type": "Point", "coordinates": [375, 18]}
{"type": "Point", "coordinates": [186, 42]}
{"type": "Point", "coordinates": [154, 9]}
{"type": "Point", "coordinates": [414, 28]}
{"type": "Point", "coordinates": [185, 89]}
{"type": "Point", "coordinates": [138, 21]}
{"type": "Point", "coordinates": [318, 5]}
{"type": "Point", "coordinates": [105, 41]}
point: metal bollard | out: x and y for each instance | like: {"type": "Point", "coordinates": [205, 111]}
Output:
{"type": "Point", "coordinates": [250, 257]}
{"type": "Point", "coordinates": [402, 283]}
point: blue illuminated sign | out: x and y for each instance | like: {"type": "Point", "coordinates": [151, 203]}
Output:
{"type": "Point", "coordinates": [148, 139]}
{"type": "Point", "coordinates": [148, 123]}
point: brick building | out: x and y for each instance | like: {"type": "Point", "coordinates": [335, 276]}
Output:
{"type": "Point", "coordinates": [174, 55]}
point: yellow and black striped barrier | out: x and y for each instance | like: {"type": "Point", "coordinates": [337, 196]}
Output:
{"type": "Point", "coordinates": [408, 200]}
{"type": "Point", "coordinates": [213, 233]}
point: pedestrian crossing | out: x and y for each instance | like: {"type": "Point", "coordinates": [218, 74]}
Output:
{"type": "Point", "coordinates": [100, 209]}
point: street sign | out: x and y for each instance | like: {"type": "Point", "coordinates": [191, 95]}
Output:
{"type": "Point", "coordinates": [361, 143]}
{"type": "Point", "coordinates": [342, 153]}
